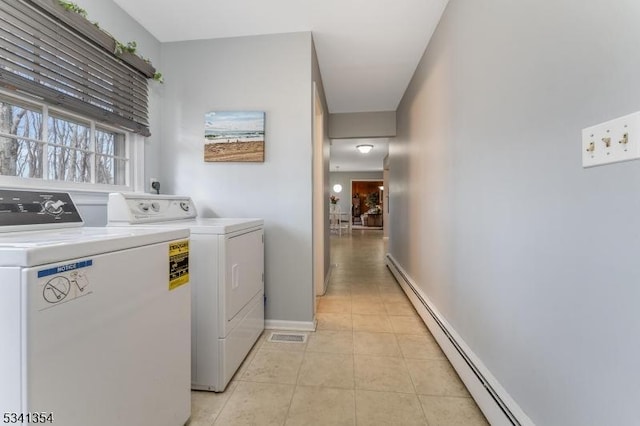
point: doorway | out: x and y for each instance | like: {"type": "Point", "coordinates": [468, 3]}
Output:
{"type": "Point", "coordinates": [367, 204]}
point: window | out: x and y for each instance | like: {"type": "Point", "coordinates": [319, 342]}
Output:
{"type": "Point", "coordinates": [37, 141]}
{"type": "Point", "coordinates": [73, 114]}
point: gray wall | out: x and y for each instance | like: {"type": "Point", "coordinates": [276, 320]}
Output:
{"type": "Point", "coordinates": [264, 73]}
{"type": "Point", "coordinates": [530, 257]}
{"type": "Point", "coordinates": [344, 179]}
{"type": "Point", "coordinates": [362, 125]}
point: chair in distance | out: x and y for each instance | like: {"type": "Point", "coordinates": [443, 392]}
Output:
{"type": "Point", "coordinates": [336, 222]}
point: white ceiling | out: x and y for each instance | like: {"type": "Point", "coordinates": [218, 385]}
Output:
{"type": "Point", "coordinates": [346, 158]}
{"type": "Point", "coordinates": [367, 49]}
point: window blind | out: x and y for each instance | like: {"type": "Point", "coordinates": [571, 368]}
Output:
{"type": "Point", "coordinates": [43, 54]}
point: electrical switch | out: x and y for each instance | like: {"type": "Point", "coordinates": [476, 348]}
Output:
{"type": "Point", "coordinates": [625, 130]}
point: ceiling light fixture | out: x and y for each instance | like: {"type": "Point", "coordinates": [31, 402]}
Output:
{"type": "Point", "coordinates": [365, 148]}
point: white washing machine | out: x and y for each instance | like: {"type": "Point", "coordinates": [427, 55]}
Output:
{"type": "Point", "coordinates": [227, 280]}
{"type": "Point", "coordinates": [94, 322]}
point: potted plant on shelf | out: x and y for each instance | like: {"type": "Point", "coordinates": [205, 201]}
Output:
{"type": "Point", "coordinates": [373, 203]}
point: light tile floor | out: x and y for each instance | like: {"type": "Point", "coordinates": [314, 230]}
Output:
{"type": "Point", "coordinates": [370, 362]}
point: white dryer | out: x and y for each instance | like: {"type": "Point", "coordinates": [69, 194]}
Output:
{"type": "Point", "coordinates": [227, 280]}
{"type": "Point", "coordinates": [94, 322]}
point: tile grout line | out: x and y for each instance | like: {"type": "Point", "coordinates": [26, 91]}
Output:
{"type": "Point", "coordinates": [353, 354]}
{"type": "Point", "coordinates": [353, 358]}
{"type": "Point", "coordinates": [239, 379]}
{"type": "Point", "coordinates": [295, 388]}
{"type": "Point", "coordinates": [404, 358]}
{"type": "Point", "coordinates": [374, 290]}
{"type": "Point", "coordinates": [225, 403]}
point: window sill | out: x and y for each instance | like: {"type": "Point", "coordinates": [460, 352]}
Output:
{"type": "Point", "coordinates": [91, 193]}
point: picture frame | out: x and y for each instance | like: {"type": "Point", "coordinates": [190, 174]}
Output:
{"type": "Point", "coordinates": [234, 136]}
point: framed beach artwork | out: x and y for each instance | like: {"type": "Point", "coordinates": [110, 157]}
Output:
{"type": "Point", "coordinates": [234, 136]}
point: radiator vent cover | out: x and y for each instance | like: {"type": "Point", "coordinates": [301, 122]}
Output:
{"type": "Point", "coordinates": [287, 338]}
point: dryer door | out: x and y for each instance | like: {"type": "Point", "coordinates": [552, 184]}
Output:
{"type": "Point", "coordinates": [244, 266]}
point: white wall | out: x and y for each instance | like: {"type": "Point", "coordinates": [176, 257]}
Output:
{"type": "Point", "coordinates": [344, 179]}
{"type": "Point", "coordinates": [531, 258]}
{"type": "Point", "coordinates": [264, 73]}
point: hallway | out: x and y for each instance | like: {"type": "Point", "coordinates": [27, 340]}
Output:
{"type": "Point", "coordinates": [370, 362]}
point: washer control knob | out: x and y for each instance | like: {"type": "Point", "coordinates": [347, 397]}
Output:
{"type": "Point", "coordinates": [155, 206]}
{"type": "Point", "coordinates": [185, 206]}
{"type": "Point", "coordinates": [144, 207]}
{"type": "Point", "coordinates": [53, 207]}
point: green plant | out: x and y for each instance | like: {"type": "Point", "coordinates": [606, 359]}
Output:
{"type": "Point", "coordinates": [130, 47]}
{"type": "Point", "coordinates": [119, 48]}
{"type": "Point", "coordinates": [72, 7]}
{"type": "Point", "coordinates": [373, 199]}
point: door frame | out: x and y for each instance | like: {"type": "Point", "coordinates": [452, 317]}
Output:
{"type": "Point", "coordinates": [320, 216]}
{"type": "Point", "coordinates": [366, 180]}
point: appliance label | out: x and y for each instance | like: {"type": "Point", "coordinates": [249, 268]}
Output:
{"type": "Point", "coordinates": [65, 268]}
{"type": "Point", "coordinates": [64, 283]}
{"type": "Point", "coordinates": [178, 264]}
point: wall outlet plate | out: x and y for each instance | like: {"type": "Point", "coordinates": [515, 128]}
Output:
{"type": "Point", "coordinates": [612, 141]}
{"type": "Point", "coordinates": [152, 184]}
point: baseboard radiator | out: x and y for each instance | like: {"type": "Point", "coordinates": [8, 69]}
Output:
{"type": "Point", "coordinates": [498, 407]}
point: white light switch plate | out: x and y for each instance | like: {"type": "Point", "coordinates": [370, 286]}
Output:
{"type": "Point", "coordinates": [595, 151]}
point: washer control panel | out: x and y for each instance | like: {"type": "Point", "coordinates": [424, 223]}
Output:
{"type": "Point", "coordinates": [28, 208]}
{"type": "Point", "coordinates": [146, 208]}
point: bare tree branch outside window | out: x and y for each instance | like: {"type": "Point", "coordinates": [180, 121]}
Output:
{"type": "Point", "coordinates": [69, 152]}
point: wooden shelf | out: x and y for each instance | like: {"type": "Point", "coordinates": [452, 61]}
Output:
{"type": "Point", "coordinates": [98, 37]}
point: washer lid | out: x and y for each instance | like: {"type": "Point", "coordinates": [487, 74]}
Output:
{"type": "Point", "coordinates": [213, 226]}
{"type": "Point", "coordinates": [25, 249]}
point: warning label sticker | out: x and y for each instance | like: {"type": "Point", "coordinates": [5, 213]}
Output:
{"type": "Point", "coordinates": [64, 283]}
{"type": "Point", "coordinates": [178, 264]}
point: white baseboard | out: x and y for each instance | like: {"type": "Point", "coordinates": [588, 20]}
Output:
{"type": "Point", "coordinates": [290, 325]}
{"type": "Point", "coordinates": [494, 401]}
